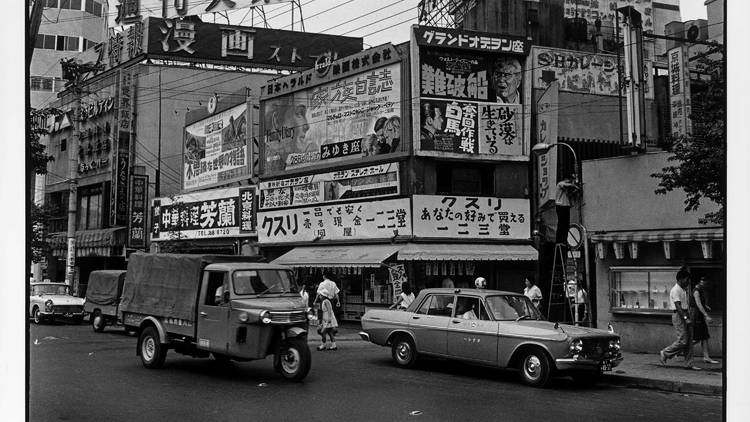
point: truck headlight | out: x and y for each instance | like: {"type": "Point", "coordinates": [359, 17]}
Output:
{"type": "Point", "coordinates": [243, 317]}
{"type": "Point", "coordinates": [265, 317]}
{"type": "Point", "coordinates": [576, 346]}
{"type": "Point", "coordinates": [48, 305]}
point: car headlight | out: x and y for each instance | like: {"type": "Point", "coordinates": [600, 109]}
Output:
{"type": "Point", "coordinates": [265, 317]}
{"type": "Point", "coordinates": [243, 317]}
{"type": "Point", "coordinates": [576, 346]}
{"type": "Point", "coordinates": [310, 314]}
{"type": "Point", "coordinates": [48, 305]}
{"type": "Point", "coordinates": [614, 345]}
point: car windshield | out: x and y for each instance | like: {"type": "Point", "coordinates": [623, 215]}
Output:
{"type": "Point", "coordinates": [512, 308]}
{"type": "Point", "coordinates": [49, 289]}
{"type": "Point", "coordinates": [253, 282]}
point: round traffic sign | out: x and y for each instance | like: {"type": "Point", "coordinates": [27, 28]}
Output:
{"type": "Point", "coordinates": [575, 236]}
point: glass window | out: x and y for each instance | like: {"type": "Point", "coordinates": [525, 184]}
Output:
{"type": "Point", "coordinates": [512, 308]}
{"type": "Point", "coordinates": [71, 43]}
{"type": "Point", "coordinates": [97, 8]}
{"type": "Point", "coordinates": [51, 3]}
{"type": "Point", "coordinates": [47, 84]}
{"type": "Point", "coordinates": [75, 4]}
{"type": "Point", "coordinates": [63, 145]}
{"type": "Point", "coordinates": [641, 288]}
{"type": "Point", "coordinates": [441, 305]}
{"type": "Point", "coordinates": [470, 308]}
{"type": "Point", "coordinates": [64, 4]}
{"type": "Point", "coordinates": [36, 84]}
{"type": "Point", "coordinates": [50, 289]}
{"type": "Point", "coordinates": [90, 212]}
{"type": "Point", "coordinates": [60, 43]}
{"type": "Point", "coordinates": [247, 282]}
{"type": "Point", "coordinates": [39, 43]}
{"type": "Point", "coordinates": [49, 42]}
{"type": "Point", "coordinates": [90, 6]}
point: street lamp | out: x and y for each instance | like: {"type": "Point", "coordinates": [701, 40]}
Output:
{"type": "Point", "coordinates": [542, 148]}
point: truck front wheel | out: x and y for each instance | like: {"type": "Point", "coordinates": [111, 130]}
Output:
{"type": "Point", "coordinates": [97, 321]}
{"type": "Point", "coordinates": [152, 351]}
{"type": "Point", "coordinates": [295, 359]}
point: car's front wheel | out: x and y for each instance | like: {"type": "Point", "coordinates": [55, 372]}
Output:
{"type": "Point", "coordinates": [403, 351]}
{"type": "Point", "coordinates": [153, 353]}
{"type": "Point", "coordinates": [535, 368]}
{"type": "Point", "coordinates": [38, 318]}
{"type": "Point", "coordinates": [294, 362]}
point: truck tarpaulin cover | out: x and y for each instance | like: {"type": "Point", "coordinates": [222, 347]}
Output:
{"type": "Point", "coordinates": [105, 286]}
{"type": "Point", "coordinates": [162, 285]}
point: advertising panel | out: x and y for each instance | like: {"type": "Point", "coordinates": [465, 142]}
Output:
{"type": "Point", "coordinates": [679, 92]}
{"type": "Point", "coordinates": [127, 81]}
{"type": "Point", "coordinates": [137, 220]}
{"type": "Point", "coordinates": [469, 102]}
{"type": "Point", "coordinates": [353, 221]}
{"type": "Point", "coordinates": [127, 10]}
{"type": "Point", "coordinates": [203, 215]}
{"type": "Point", "coordinates": [363, 182]}
{"type": "Point", "coordinates": [356, 116]}
{"type": "Point", "coordinates": [242, 45]}
{"type": "Point", "coordinates": [462, 217]}
{"type": "Point", "coordinates": [605, 10]}
{"type": "Point", "coordinates": [547, 107]}
{"type": "Point", "coordinates": [215, 150]}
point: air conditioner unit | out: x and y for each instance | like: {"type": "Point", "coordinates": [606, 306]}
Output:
{"type": "Point", "coordinates": [696, 30]}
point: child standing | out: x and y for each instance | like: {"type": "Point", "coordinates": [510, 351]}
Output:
{"type": "Point", "coordinates": [328, 324]}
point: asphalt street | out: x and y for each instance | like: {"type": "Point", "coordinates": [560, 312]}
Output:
{"type": "Point", "coordinates": [78, 375]}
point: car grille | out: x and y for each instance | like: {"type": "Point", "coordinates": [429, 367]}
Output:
{"type": "Point", "coordinates": [285, 317]}
{"type": "Point", "coordinates": [596, 348]}
{"type": "Point", "coordinates": [64, 309]}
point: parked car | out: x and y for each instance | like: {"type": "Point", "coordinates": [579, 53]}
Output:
{"type": "Point", "coordinates": [229, 307]}
{"type": "Point", "coordinates": [493, 328]}
{"type": "Point", "coordinates": [103, 297]}
{"type": "Point", "coordinates": [53, 300]}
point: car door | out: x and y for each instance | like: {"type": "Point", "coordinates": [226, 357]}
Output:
{"type": "Point", "coordinates": [213, 318]}
{"type": "Point", "coordinates": [471, 334]}
{"type": "Point", "coordinates": [430, 323]}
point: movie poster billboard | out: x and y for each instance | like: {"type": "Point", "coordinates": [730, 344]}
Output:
{"type": "Point", "coordinates": [215, 150]}
{"type": "Point", "coordinates": [462, 217]}
{"type": "Point", "coordinates": [362, 182]}
{"type": "Point", "coordinates": [351, 221]}
{"type": "Point", "coordinates": [605, 10]}
{"type": "Point", "coordinates": [351, 118]}
{"type": "Point", "coordinates": [206, 214]}
{"type": "Point", "coordinates": [471, 93]}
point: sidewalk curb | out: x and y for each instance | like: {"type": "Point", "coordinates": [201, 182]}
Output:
{"type": "Point", "coordinates": [664, 385]}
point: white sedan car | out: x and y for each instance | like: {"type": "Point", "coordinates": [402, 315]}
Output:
{"type": "Point", "coordinates": [51, 300]}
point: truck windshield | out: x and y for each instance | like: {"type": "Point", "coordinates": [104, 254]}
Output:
{"type": "Point", "coordinates": [251, 282]}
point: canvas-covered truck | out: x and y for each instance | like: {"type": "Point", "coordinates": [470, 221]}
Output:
{"type": "Point", "coordinates": [229, 307]}
{"type": "Point", "coordinates": [103, 297]}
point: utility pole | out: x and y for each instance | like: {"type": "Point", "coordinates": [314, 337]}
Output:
{"type": "Point", "coordinates": [73, 72]}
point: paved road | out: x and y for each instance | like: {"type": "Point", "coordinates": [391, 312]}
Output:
{"type": "Point", "coordinates": [79, 375]}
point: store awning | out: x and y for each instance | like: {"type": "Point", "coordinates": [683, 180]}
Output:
{"type": "Point", "coordinates": [680, 235]}
{"type": "Point", "coordinates": [89, 242]}
{"type": "Point", "coordinates": [338, 256]}
{"type": "Point", "coordinates": [466, 252]}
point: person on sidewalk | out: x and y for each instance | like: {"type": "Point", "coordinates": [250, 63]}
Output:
{"type": "Point", "coordinates": [532, 291]}
{"type": "Point", "coordinates": [678, 300]}
{"type": "Point", "coordinates": [701, 319]}
{"type": "Point", "coordinates": [328, 324]}
{"type": "Point", "coordinates": [566, 188]}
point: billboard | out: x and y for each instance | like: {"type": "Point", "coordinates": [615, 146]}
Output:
{"type": "Point", "coordinates": [125, 11]}
{"type": "Point", "coordinates": [470, 92]}
{"type": "Point", "coordinates": [215, 150]}
{"type": "Point", "coordinates": [352, 221]}
{"type": "Point", "coordinates": [351, 118]}
{"type": "Point", "coordinates": [126, 99]}
{"type": "Point", "coordinates": [242, 45]}
{"type": "Point", "coordinates": [461, 217]}
{"type": "Point", "coordinates": [203, 215]}
{"type": "Point", "coordinates": [547, 116]}
{"type": "Point", "coordinates": [363, 182]}
{"type": "Point", "coordinates": [679, 91]}
{"type": "Point", "coordinates": [137, 221]}
{"type": "Point", "coordinates": [605, 10]}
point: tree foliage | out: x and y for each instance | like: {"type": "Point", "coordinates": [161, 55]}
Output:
{"type": "Point", "coordinates": [698, 161]}
{"type": "Point", "coordinates": [38, 159]}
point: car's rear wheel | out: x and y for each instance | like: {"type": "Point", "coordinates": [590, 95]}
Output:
{"type": "Point", "coordinates": [403, 351]}
{"type": "Point", "coordinates": [535, 368]}
{"type": "Point", "coordinates": [153, 353]}
{"type": "Point", "coordinates": [97, 322]}
{"type": "Point", "coordinates": [38, 318]}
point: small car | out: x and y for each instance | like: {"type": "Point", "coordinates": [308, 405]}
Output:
{"type": "Point", "coordinates": [53, 300]}
{"type": "Point", "coordinates": [492, 328]}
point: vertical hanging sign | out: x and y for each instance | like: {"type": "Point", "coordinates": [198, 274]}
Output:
{"type": "Point", "coordinates": [547, 133]}
{"type": "Point", "coordinates": [121, 167]}
{"type": "Point", "coordinates": [137, 211]}
{"type": "Point", "coordinates": [679, 92]}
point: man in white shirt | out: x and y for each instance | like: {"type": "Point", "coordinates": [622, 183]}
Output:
{"type": "Point", "coordinates": [678, 300]}
{"type": "Point", "coordinates": [329, 289]}
{"type": "Point", "coordinates": [532, 292]}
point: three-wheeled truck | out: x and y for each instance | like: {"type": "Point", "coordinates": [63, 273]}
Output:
{"type": "Point", "coordinates": [226, 306]}
{"type": "Point", "coordinates": [103, 297]}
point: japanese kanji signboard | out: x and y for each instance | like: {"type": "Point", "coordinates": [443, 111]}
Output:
{"type": "Point", "coordinates": [679, 91]}
{"type": "Point", "coordinates": [462, 217]}
{"type": "Point", "coordinates": [547, 133]}
{"type": "Point", "coordinates": [137, 217]}
{"type": "Point", "coordinates": [470, 89]}
{"type": "Point", "coordinates": [605, 10]}
{"type": "Point", "coordinates": [345, 120]}
{"type": "Point", "coordinates": [215, 150]}
{"type": "Point", "coordinates": [205, 214]}
{"type": "Point", "coordinates": [127, 10]}
{"type": "Point", "coordinates": [363, 182]}
{"type": "Point", "coordinates": [353, 221]}
{"type": "Point", "coordinates": [242, 45]}
{"type": "Point", "coordinates": [127, 82]}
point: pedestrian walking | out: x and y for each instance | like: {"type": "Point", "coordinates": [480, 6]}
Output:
{"type": "Point", "coordinates": [328, 324]}
{"type": "Point", "coordinates": [678, 300]}
{"type": "Point", "coordinates": [405, 298]}
{"type": "Point", "coordinates": [329, 289]}
{"type": "Point", "coordinates": [532, 291]}
{"type": "Point", "coordinates": [700, 309]}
